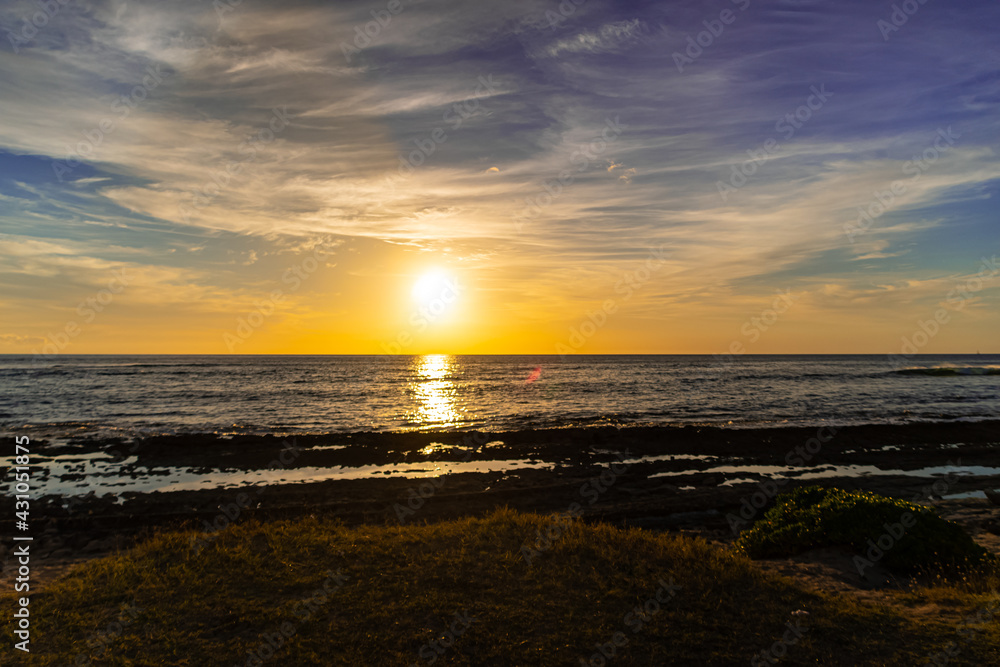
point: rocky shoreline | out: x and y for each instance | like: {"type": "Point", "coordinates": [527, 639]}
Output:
{"type": "Point", "coordinates": [703, 480]}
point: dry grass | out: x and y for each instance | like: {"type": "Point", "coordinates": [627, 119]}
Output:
{"type": "Point", "coordinates": [400, 587]}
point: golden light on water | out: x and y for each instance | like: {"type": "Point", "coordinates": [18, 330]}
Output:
{"type": "Point", "coordinates": [434, 392]}
{"type": "Point", "coordinates": [433, 448]}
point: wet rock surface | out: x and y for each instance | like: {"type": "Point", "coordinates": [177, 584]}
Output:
{"type": "Point", "coordinates": [583, 467]}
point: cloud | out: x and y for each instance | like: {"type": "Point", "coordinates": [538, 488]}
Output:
{"type": "Point", "coordinates": [14, 339]}
{"type": "Point", "coordinates": [626, 175]}
{"type": "Point", "coordinates": [389, 149]}
{"type": "Point", "coordinates": [608, 37]}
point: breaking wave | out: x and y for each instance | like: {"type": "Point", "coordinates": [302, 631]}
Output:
{"type": "Point", "coordinates": [950, 370]}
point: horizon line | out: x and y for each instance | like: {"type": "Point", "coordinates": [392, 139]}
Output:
{"type": "Point", "coordinates": [499, 354]}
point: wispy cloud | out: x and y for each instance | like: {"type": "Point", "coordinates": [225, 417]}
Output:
{"type": "Point", "coordinates": [401, 154]}
{"type": "Point", "coordinates": [608, 37]}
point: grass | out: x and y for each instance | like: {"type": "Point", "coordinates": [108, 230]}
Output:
{"type": "Point", "coordinates": [391, 590]}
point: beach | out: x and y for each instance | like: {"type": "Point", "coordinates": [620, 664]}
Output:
{"type": "Point", "coordinates": [210, 466]}
{"type": "Point", "coordinates": [709, 481]}
{"type": "Point", "coordinates": [535, 333]}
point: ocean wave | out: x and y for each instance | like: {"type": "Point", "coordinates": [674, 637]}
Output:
{"type": "Point", "coordinates": [949, 370]}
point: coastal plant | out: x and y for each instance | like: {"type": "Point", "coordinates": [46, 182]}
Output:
{"type": "Point", "coordinates": [314, 591]}
{"type": "Point", "coordinates": [903, 536]}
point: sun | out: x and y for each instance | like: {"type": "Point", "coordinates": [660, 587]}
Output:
{"type": "Point", "coordinates": [435, 293]}
{"type": "Point", "coordinates": [434, 284]}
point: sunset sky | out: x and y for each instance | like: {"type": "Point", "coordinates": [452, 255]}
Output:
{"type": "Point", "coordinates": [516, 177]}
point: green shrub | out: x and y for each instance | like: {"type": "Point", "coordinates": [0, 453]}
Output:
{"type": "Point", "coordinates": [811, 517]}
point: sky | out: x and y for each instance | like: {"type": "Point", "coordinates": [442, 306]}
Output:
{"type": "Point", "coordinates": [585, 177]}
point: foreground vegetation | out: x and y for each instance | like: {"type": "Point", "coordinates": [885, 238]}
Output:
{"type": "Point", "coordinates": [313, 592]}
{"type": "Point", "coordinates": [903, 536]}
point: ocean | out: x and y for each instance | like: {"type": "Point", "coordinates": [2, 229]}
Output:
{"type": "Point", "coordinates": [96, 396]}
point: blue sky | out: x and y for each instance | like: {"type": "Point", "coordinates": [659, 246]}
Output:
{"type": "Point", "coordinates": [119, 120]}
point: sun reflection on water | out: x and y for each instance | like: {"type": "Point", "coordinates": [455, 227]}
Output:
{"type": "Point", "coordinates": [434, 392]}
